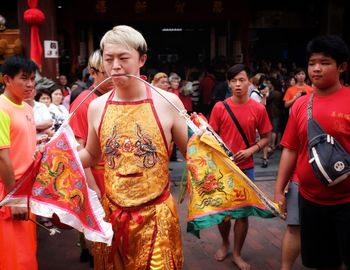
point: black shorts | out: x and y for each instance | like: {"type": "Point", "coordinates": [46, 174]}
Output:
{"type": "Point", "coordinates": [325, 234]}
{"type": "Point", "coordinates": [292, 198]}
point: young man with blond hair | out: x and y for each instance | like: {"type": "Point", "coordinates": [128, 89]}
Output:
{"type": "Point", "coordinates": [132, 128]}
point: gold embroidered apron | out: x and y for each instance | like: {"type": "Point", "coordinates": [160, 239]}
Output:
{"type": "Point", "coordinates": [137, 199]}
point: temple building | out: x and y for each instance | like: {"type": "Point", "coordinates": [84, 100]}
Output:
{"type": "Point", "coordinates": [178, 32]}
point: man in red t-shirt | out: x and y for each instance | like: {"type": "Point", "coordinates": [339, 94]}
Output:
{"type": "Point", "coordinates": [324, 211]}
{"type": "Point", "coordinates": [79, 122]}
{"type": "Point", "coordinates": [206, 87]}
{"type": "Point", "coordinates": [251, 116]}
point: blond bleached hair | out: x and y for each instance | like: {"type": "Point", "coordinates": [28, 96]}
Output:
{"type": "Point", "coordinates": [256, 79]}
{"type": "Point", "coordinates": [159, 76]}
{"type": "Point", "coordinates": [174, 77]}
{"type": "Point", "coordinates": [126, 36]}
{"type": "Point", "coordinates": [95, 61]}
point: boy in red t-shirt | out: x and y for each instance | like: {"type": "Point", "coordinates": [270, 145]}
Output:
{"type": "Point", "coordinates": [79, 124]}
{"type": "Point", "coordinates": [251, 116]}
{"type": "Point", "coordinates": [324, 211]}
{"type": "Point", "coordinates": [79, 121]}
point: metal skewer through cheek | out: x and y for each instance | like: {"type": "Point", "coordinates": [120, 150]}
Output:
{"type": "Point", "coordinates": [183, 113]}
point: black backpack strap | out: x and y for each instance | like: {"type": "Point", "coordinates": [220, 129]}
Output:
{"type": "Point", "coordinates": [240, 129]}
{"type": "Point", "coordinates": [313, 127]}
{"type": "Point", "coordinates": [309, 107]}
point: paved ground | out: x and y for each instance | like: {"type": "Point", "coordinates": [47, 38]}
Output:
{"type": "Point", "coordinates": [262, 247]}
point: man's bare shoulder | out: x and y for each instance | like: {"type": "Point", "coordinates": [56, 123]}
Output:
{"type": "Point", "coordinates": [100, 101]}
{"type": "Point", "coordinates": [96, 109]}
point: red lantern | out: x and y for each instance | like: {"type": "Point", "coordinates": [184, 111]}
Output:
{"type": "Point", "coordinates": [34, 17]}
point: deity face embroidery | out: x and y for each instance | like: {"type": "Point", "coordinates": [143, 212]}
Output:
{"type": "Point", "coordinates": [141, 147]}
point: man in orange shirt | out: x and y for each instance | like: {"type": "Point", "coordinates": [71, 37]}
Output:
{"type": "Point", "coordinates": [17, 148]}
{"type": "Point", "coordinates": [297, 90]}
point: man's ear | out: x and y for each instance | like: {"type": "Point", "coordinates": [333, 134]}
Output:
{"type": "Point", "coordinates": [142, 60]}
{"type": "Point", "coordinates": [92, 72]}
{"type": "Point", "coordinates": [343, 67]}
{"type": "Point", "coordinates": [6, 78]}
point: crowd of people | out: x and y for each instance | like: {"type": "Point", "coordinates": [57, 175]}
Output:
{"type": "Point", "coordinates": [127, 134]}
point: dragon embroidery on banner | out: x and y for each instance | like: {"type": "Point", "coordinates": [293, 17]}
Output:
{"type": "Point", "coordinates": [59, 181]}
{"type": "Point", "coordinates": [209, 183]}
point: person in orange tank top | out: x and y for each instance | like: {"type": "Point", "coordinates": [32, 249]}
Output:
{"type": "Point", "coordinates": [131, 128]}
{"type": "Point", "coordinates": [17, 148]}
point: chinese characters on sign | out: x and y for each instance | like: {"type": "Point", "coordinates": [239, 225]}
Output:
{"type": "Point", "coordinates": [51, 48]}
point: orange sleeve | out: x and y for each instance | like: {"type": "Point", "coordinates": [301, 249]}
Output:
{"type": "Point", "coordinates": [288, 95]}
{"type": "Point", "coordinates": [309, 89]}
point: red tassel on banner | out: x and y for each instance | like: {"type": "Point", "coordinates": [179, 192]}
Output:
{"type": "Point", "coordinates": [34, 17]}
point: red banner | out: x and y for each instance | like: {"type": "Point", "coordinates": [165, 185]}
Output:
{"type": "Point", "coordinates": [60, 188]}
